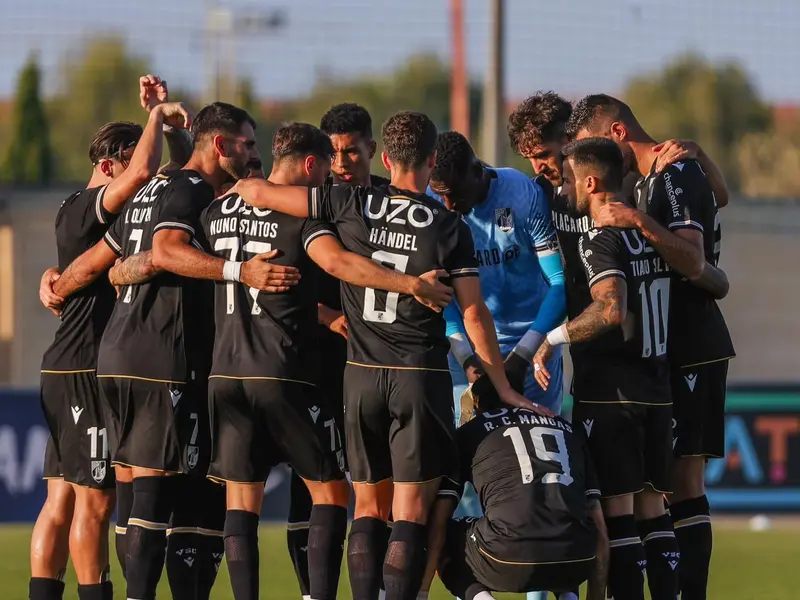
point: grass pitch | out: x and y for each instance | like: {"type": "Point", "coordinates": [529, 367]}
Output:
{"type": "Point", "coordinates": [746, 566]}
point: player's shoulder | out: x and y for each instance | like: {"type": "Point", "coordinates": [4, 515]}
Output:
{"type": "Point", "coordinates": [187, 180]}
{"type": "Point", "coordinates": [688, 170]}
{"type": "Point", "coordinates": [519, 189]}
{"type": "Point", "coordinates": [608, 238]}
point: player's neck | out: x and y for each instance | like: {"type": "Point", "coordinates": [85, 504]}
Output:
{"type": "Point", "coordinates": [644, 156]}
{"type": "Point", "coordinates": [286, 177]}
{"type": "Point", "coordinates": [597, 201]}
{"type": "Point", "coordinates": [413, 181]}
{"type": "Point", "coordinates": [98, 179]}
{"type": "Point", "coordinates": [208, 168]}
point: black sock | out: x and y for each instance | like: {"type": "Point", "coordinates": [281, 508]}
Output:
{"type": "Point", "coordinates": [326, 533]}
{"type": "Point", "coordinates": [384, 545]}
{"type": "Point", "coordinates": [42, 588]}
{"type": "Point", "coordinates": [96, 591]}
{"type": "Point", "coordinates": [627, 560]}
{"type": "Point", "coordinates": [406, 556]}
{"type": "Point", "coordinates": [241, 552]}
{"type": "Point", "coordinates": [366, 550]}
{"type": "Point", "coordinates": [210, 557]}
{"type": "Point", "coordinates": [146, 535]}
{"type": "Point", "coordinates": [692, 524]}
{"type": "Point", "coordinates": [297, 531]}
{"type": "Point", "coordinates": [124, 506]}
{"type": "Point", "coordinates": [661, 551]}
{"type": "Point", "coordinates": [183, 565]}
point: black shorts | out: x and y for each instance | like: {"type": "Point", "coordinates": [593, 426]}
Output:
{"type": "Point", "coordinates": [333, 358]}
{"type": "Point", "coordinates": [259, 423]}
{"type": "Point", "coordinates": [157, 425]}
{"type": "Point", "coordinates": [604, 379]}
{"type": "Point", "coordinates": [698, 409]}
{"type": "Point", "coordinates": [399, 424]}
{"type": "Point", "coordinates": [630, 444]}
{"type": "Point", "coordinates": [76, 416]}
{"type": "Point", "coordinates": [52, 466]}
{"type": "Point", "coordinates": [465, 570]}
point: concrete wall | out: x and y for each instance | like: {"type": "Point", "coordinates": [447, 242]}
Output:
{"type": "Point", "coordinates": [760, 253]}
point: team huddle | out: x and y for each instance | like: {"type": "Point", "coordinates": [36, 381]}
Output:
{"type": "Point", "coordinates": [216, 323]}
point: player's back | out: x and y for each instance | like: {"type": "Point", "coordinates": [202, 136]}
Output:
{"type": "Point", "coordinates": [164, 319]}
{"type": "Point", "coordinates": [410, 233]}
{"type": "Point", "coordinates": [81, 222]}
{"type": "Point", "coordinates": [260, 334]}
{"type": "Point", "coordinates": [534, 478]}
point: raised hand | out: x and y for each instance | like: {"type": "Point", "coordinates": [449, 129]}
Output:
{"type": "Point", "coordinates": [152, 91]}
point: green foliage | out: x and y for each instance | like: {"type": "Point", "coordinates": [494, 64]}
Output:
{"type": "Point", "coordinates": [98, 84]}
{"type": "Point", "coordinates": [715, 105]}
{"type": "Point", "coordinates": [28, 157]}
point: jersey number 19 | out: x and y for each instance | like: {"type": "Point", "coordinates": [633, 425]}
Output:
{"type": "Point", "coordinates": [560, 456]}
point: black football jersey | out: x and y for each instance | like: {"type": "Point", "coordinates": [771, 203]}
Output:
{"type": "Point", "coordinates": [81, 223]}
{"type": "Point", "coordinates": [162, 329]}
{"type": "Point", "coordinates": [410, 233]}
{"type": "Point", "coordinates": [258, 334]}
{"type": "Point", "coordinates": [680, 197]}
{"type": "Point", "coordinates": [569, 227]}
{"type": "Point", "coordinates": [534, 478]}
{"type": "Point", "coordinates": [614, 252]}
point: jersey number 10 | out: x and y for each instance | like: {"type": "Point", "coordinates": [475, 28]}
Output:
{"type": "Point", "coordinates": [561, 456]}
{"type": "Point", "coordinates": [655, 316]}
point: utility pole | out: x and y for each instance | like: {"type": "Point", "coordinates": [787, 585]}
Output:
{"type": "Point", "coordinates": [493, 102]}
{"type": "Point", "coordinates": [223, 29]}
{"type": "Point", "coordinates": [459, 85]}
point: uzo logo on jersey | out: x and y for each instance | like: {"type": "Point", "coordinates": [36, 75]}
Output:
{"type": "Point", "coordinates": [504, 219]}
{"type": "Point", "coordinates": [234, 204]}
{"type": "Point", "coordinates": [399, 211]}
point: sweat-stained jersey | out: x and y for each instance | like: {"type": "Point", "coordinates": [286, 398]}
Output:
{"type": "Point", "coordinates": [413, 234]}
{"type": "Point", "coordinates": [680, 197]}
{"type": "Point", "coordinates": [81, 223]}
{"type": "Point", "coordinates": [260, 335]}
{"type": "Point", "coordinates": [534, 478]}
{"type": "Point", "coordinates": [160, 330]}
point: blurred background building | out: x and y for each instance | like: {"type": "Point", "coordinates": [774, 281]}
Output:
{"type": "Point", "coordinates": [721, 72]}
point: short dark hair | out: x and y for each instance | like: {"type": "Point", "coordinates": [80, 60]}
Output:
{"type": "Point", "coordinates": [220, 117]}
{"type": "Point", "coordinates": [602, 156]}
{"type": "Point", "coordinates": [347, 118]}
{"type": "Point", "coordinates": [409, 138]}
{"type": "Point", "coordinates": [539, 119]}
{"type": "Point", "coordinates": [590, 108]}
{"type": "Point", "coordinates": [112, 139]}
{"type": "Point", "coordinates": [300, 140]}
{"type": "Point", "coordinates": [454, 157]}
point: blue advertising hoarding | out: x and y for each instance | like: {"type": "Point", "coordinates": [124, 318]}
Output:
{"type": "Point", "coordinates": [761, 472]}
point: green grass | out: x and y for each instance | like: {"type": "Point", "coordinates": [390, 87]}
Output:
{"type": "Point", "coordinates": [746, 566]}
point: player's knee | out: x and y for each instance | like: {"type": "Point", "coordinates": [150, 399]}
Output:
{"type": "Point", "coordinates": [649, 504]}
{"type": "Point", "coordinates": [336, 493]}
{"type": "Point", "coordinates": [688, 478]}
{"type": "Point", "coordinates": [413, 502]}
{"type": "Point", "coordinates": [59, 505]}
{"type": "Point", "coordinates": [244, 496]}
{"type": "Point", "coordinates": [618, 506]}
{"type": "Point", "coordinates": [94, 505]}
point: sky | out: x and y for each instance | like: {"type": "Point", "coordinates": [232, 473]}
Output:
{"type": "Point", "coordinates": [571, 46]}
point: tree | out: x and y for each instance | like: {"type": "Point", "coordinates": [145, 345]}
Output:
{"type": "Point", "coordinates": [28, 157]}
{"type": "Point", "coordinates": [100, 83]}
{"type": "Point", "coordinates": [716, 105]}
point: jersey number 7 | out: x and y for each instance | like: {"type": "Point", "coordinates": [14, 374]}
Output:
{"type": "Point", "coordinates": [251, 247]}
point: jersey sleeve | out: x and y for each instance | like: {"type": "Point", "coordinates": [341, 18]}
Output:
{"type": "Point", "coordinates": [458, 250]}
{"type": "Point", "coordinates": [601, 253]}
{"type": "Point", "coordinates": [592, 484]}
{"type": "Point", "coordinates": [182, 207]}
{"type": "Point", "coordinates": [313, 229]}
{"type": "Point", "coordinates": [678, 196]}
{"type": "Point", "coordinates": [113, 237]}
{"type": "Point", "coordinates": [329, 202]}
{"type": "Point", "coordinates": [539, 224]}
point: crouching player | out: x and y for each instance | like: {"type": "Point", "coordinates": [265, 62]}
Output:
{"type": "Point", "coordinates": [542, 527]}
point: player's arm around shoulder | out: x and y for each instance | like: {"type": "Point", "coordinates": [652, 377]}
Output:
{"type": "Point", "coordinates": [85, 269]}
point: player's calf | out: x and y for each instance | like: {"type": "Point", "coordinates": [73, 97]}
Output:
{"type": "Point", "coordinates": [297, 531]}
{"type": "Point", "coordinates": [153, 501]}
{"type": "Point", "coordinates": [326, 534]}
{"type": "Point", "coordinates": [88, 542]}
{"type": "Point", "coordinates": [627, 560]}
{"type": "Point", "coordinates": [369, 537]}
{"type": "Point", "coordinates": [660, 545]}
{"type": "Point", "coordinates": [124, 506]}
{"type": "Point", "coordinates": [241, 537]}
{"type": "Point", "coordinates": [50, 542]}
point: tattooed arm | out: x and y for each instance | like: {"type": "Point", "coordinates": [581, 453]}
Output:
{"type": "Point", "coordinates": [607, 310]}
{"type": "Point", "coordinates": [180, 144]}
{"type": "Point", "coordinates": [598, 577]}
{"type": "Point", "coordinates": [134, 269]}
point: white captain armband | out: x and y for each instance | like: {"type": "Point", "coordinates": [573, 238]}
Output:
{"type": "Point", "coordinates": [232, 271]}
{"type": "Point", "coordinates": [558, 336]}
{"type": "Point", "coordinates": [460, 347]}
{"type": "Point", "coordinates": [528, 345]}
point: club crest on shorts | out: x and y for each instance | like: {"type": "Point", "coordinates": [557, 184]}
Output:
{"type": "Point", "coordinates": [98, 470]}
{"type": "Point", "coordinates": [504, 218]}
{"type": "Point", "coordinates": [192, 454]}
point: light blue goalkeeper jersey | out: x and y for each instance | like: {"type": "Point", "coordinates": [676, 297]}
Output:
{"type": "Point", "coordinates": [520, 270]}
